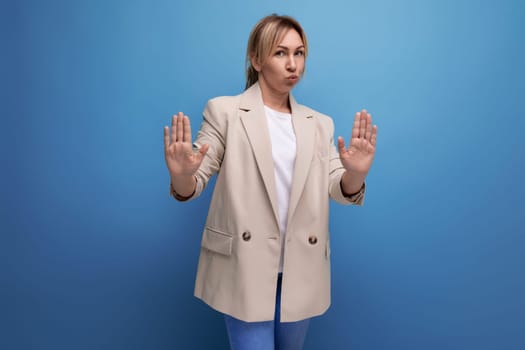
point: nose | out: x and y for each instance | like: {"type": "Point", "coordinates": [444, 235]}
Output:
{"type": "Point", "coordinates": [291, 65]}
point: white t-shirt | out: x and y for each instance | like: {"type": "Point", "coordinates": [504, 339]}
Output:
{"type": "Point", "coordinates": [282, 137]}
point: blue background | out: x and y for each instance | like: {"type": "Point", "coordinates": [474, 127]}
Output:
{"type": "Point", "coordinates": [96, 255]}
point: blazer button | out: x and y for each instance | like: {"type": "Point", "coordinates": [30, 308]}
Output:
{"type": "Point", "coordinates": [312, 240]}
{"type": "Point", "coordinates": [246, 235]}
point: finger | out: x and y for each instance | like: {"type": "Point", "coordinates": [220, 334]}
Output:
{"type": "Point", "coordinates": [204, 149]}
{"type": "Point", "coordinates": [174, 128]}
{"type": "Point", "coordinates": [166, 137]}
{"type": "Point", "coordinates": [362, 124]}
{"type": "Point", "coordinates": [368, 133]}
{"type": "Point", "coordinates": [374, 136]}
{"type": "Point", "coordinates": [341, 144]}
{"type": "Point", "coordinates": [187, 130]}
{"type": "Point", "coordinates": [202, 152]}
{"type": "Point", "coordinates": [355, 128]}
{"type": "Point", "coordinates": [180, 128]}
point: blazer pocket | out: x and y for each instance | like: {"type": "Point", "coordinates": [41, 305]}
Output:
{"type": "Point", "coordinates": [217, 241]}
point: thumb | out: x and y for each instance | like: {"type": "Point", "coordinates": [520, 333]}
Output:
{"type": "Point", "coordinates": [341, 144]}
{"type": "Point", "coordinates": [203, 150]}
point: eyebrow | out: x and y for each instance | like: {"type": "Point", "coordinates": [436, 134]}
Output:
{"type": "Point", "coordinates": [286, 48]}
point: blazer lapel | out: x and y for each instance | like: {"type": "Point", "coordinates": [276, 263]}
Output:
{"type": "Point", "coordinates": [253, 118]}
{"type": "Point", "coordinates": [304, 127]}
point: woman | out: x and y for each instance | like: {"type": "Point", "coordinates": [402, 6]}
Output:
{"type": "Point", "coordinates": [265, 251]}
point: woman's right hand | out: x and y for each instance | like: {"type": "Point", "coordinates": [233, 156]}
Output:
{"type": "Point", "coordinates": [181, 160]}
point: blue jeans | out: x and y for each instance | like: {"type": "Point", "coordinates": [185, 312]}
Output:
{"type": "Point", "coordinates": [267, 335]}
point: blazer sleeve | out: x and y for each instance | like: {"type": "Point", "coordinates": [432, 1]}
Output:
{"type": "Point", "coordinates": [336, 172]}
{"type": "Point", "coordinates": [213, 133]}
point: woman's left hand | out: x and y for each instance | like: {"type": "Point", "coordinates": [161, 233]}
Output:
{"type": "Point", "coordinates": [358, 157]}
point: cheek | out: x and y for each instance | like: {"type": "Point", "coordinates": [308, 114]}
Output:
{"type": "Point", "coordinates": [302, 66]}
{"type": "Point", "coordinates": [274, 70]}
{"type": "Point", "coordinates": [271, 68]}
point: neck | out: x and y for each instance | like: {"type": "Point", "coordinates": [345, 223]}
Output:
{"type": "Point", "coordinates": [276, 100]}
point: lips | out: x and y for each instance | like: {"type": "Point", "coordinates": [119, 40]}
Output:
{"type": "Point", "coordinates": [293, 77]}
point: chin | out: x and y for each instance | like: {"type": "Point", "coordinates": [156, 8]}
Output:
{"type": "Point", "coordinates": [288, 89]}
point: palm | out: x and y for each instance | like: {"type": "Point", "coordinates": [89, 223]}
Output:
{"type": "Point", "coordinates": [360, 153]}
{"type": "Point", "coordinates": [178, 152]}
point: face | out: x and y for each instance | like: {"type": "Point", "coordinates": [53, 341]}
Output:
{"type": "Point", "coordinates": [285, 65]}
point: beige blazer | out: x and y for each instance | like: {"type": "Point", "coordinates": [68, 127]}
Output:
{"type": "Point", "coordinates": [241, 245]}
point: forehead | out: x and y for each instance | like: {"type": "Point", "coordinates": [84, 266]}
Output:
{"type": "Point", "coordinates": [290, 39]}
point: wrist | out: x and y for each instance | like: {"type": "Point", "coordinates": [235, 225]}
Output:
{"type": "Point", "coordinates": [352, 182]}
{"type": "Point", "coordinates": [183, 185]}
{"type": "Point", "coordinates": [181, 177]}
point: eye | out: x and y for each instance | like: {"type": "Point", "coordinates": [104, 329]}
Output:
{"type": "Point", "coordinates": [280, 53]}
{"type": "Point", "coordinates": [299, 53]}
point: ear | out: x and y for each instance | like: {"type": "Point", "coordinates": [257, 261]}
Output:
{"type": "Point", "coordinates": [255, 63]}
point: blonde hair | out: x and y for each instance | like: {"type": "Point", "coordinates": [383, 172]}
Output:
{"type": "Point", "coordinates": [265, 36]}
